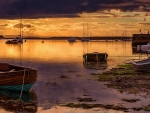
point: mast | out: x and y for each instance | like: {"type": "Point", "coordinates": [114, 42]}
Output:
{"type": "Point", "coordinates": [83, 29]}
{"type": "Point", "coordinates": [21, 26]}
{"type": "Point", "coordinates": [87, 31]}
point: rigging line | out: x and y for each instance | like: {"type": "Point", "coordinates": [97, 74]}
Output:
{"type": "Point", "coordinates": [22, 85]}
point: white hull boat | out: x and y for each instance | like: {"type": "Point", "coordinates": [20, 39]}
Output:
{"type": "Point", "coordinates": [143, 48]}
{"type": "Point", "coordinates": [143, 65]}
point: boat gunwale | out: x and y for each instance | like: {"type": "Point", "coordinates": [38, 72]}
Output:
{"type": "Point", "coordinates": [143, 62]}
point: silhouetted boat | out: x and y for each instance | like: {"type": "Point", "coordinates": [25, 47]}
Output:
{"type": "Point", "coordinates": [1, 37]}
{"type": "Point", "coordinates": [19, 38]}
{"type": "Point", "coordinates": [16, 102]}
{"type": "Point", "coordinates": [16, 40]}
{"type": "Point", "coordinates": [143, 65]}
{"type": "Point", "coordinates": [85, 39]}
{"type": "Point", "coordinates": [72, 40]}
{"type": "Point", "coordinates": [17, 78]}
{"type": "Point", "coordinates": [95, 57]}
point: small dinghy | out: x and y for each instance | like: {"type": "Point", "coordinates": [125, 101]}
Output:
{"type": "Point", "coordinates": [143, 65]}
{"type": "Point", "coordinates": [95, 57]}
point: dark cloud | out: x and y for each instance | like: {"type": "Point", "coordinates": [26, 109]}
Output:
{"type": "Point", "coordinates": [25, 25]}
{"type": "Point", "coordinates": [66, 8]}
{"type": "Point", "coordinates": [4, 25]}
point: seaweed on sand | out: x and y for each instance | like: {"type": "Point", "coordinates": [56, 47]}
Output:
{"type": "Point", "coordinates": [89, 106]}
{"type": "Point", "coordinates": [125, 79]}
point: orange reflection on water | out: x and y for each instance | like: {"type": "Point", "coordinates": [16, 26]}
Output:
{"type": "Point", "coordinates": [52, 50]}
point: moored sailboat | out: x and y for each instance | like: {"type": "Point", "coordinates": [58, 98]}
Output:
{"type": "Point", "coordinates": [19, 38]}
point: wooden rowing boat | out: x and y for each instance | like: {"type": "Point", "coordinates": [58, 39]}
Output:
{"type": "Point", "coordinates": [95, 57]}
{"type": "Point", "coordinates": [143, 65]}
{"type": "Point", "coordinates": [17, 78]}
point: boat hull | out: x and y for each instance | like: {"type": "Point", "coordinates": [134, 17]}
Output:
{"type": "Point", "coordinates": [143, 65]}
{"type": "Point", "coordinates": [143, 48]}
{"type": "Point", "coordinates": [24, 88]}
{"type": "Point", "coordinates": [14, 77]}
{"type": "Point", "coordinates": [95, 57]}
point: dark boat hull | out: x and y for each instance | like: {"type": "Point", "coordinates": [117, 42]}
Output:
{"type": "Point", "coordinates": [95, 57]}
{"type": "Point", "coordinates": [16, 77]}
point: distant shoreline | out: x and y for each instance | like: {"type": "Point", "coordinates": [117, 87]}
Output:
{"type": "Point", "coordinates": [78, 38]}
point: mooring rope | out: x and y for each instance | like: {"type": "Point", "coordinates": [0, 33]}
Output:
{"type": "Point", "coordinates": [22, 85]}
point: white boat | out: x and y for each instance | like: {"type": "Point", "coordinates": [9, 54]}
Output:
{"type": "Point", "coordinates": [143, 65]}
{"type": "Point", "coordinates": [143, 48]}
{"type": "Point", "coordinates": [19, 38]}
{"type": "Point", "coordinates": [72, 40]}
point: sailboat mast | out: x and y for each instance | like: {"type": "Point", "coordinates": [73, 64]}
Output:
{"type": "Point", "coordinates": [21, 27]}
{"type": "Point", "coordinates": [83, 29]}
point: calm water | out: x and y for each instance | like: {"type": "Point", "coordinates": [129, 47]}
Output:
{"type": "Point", "coordinates": [62, 77]}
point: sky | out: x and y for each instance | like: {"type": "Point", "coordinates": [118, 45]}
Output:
{"type": "Point", "coordinates": [84, 18]}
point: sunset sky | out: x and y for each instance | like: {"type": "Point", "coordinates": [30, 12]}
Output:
{"type": "Point", "coordinates": [49, 18]}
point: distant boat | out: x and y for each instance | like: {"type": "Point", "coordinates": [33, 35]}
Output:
{"type": "Point", "coordinates": [16, 40]}
{"type": "Point", "coordinates": [1, 37]}
{"type": "Point", "coordinates": [72, 40]}
{"type": "Point", "coordinates": [85, 40]}
{"type": "Point", "coordinates": [143, 65]}
{"type": "Point", "coordinates": [11, 42]}
{"type": "Point", "coordinates": [95, 57]}
{"type": "Point", "coordinates": [17, 78]}
{"type": "Point", "coordinates": [19, 38]}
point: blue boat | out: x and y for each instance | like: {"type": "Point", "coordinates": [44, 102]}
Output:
{"type": "Point", "coordinates": [17, 78]}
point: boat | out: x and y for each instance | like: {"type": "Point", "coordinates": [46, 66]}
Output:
{"type": "Point", "coordinates": [143, 65]}
{"type": "Point", "coordinates": [12, 101]}
{"type": "Point", "coordinates": [17, 78]}
{"type": "Point", "coordinates": [19, 38]}
{"type": "Point", "coordinates": [16, 40]}
{"type": "Point", "coordinates": [11, 42]}
{"type": "Point", "coordinates": [85, 40]}
{"type": "Point", "coordinates": [72, 39]}
{"type": "Point", "coordinates": [1, 37]}
{"type": "Point", "coordinates": [143, 48]}
{"type": "Point", "coordinates": [95, 57]}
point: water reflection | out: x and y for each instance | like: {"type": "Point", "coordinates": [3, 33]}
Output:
{"type": "Point", "coordinates": [62, 50]}
{"type": "Point", "coordinates": [95, 65]}
{"type": "Point", "coordinates": [57, 59]}
{"type": "Point", "coordinates": [13, 101]}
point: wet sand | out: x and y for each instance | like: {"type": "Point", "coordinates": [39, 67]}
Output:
{"type": "Point", "coordinates": [69, 87]}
